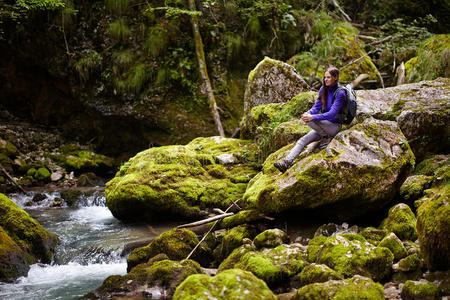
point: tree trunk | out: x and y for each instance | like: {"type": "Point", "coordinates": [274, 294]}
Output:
{"type": "Point", "coordinates": [203, 71]}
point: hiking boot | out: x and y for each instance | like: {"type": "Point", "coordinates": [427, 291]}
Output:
{"type": "Point", "coordinates": [324, 142]}
{"type": "Point", "coordinates": [281, 165]}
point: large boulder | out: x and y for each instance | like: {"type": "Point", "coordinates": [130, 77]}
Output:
{"type": "Point", "coordinates": [272, 81]}
{"type": "Point", "coordinates": [229, 284]}
{"type": "Point", "coordinates": [357, 287]}
{"type": "Point", "coordinates": [360, 171]}
{"type": "Point", "coordinates": [433, 227]}
{"type": "Point", "coordinates": [422, 111]}
{"type": "Point", "coordinates": [350, 254]}
{"type": "Point", "coordinates": [181, 180]}
{"type": "Point", "coordinates": [23, 241]}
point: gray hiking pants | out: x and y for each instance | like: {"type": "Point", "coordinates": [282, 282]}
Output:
{"type": "Point", "coordinates": [319, 129]}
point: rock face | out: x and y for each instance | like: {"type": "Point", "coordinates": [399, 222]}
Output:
{"type": "Point", "coordinates": [180, 180]}
{"type": "Point", "coordinates": [272, 81]}
{"type": "Point", "coordinates": [422, 111]}
{"type": "Point", "coordinates": [360, 170]}
{"type": "Point", "coordinates": [23, 241]}
{"type": "Point", "coordinates": [229, 284]}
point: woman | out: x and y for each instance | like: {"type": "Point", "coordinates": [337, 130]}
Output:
{"type": "Point", "coordinates": [322, 118]}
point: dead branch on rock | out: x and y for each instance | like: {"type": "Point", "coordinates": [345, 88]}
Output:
{"type": "Point", "coordinates": [359, 79]}
{"type": "Point", "coordinates": [218, 217]}
{"type": "Point", "coordinates": [12, 179]}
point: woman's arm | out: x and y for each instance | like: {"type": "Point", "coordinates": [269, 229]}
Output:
{"type": "Point", "coordinates": [335, 108]}
{"type": "Point", "coordinates": [317, 106]}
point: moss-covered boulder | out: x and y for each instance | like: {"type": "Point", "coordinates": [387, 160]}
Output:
{"type": "Point", "coordinates": [393, 243]}
{"type": "Point", "coordinates": [232, 239]}
{"type": "Point", "coordinates": [175, 243]}
{"type": "Point", "coordinates": [374, 235]}
{"type": "Point", "coordinates": [7, 148]}
{"type": "Point", "coordinates": [157, 278]}
{"type": "Point", "coordinates": [229, 284]}
{"type": "Point", "coordinates": [436, 166]}
{"type": "Point", "coordinates": [271, 238]}
{"type": "Point", "coordinates": [273, 265]}
{"type": "Point", "coordinates": [433, 227]}
{"type": "Point", "coordinates": [432, 60]}
{"type": "Point", "coordinates": [350, 254]}
{"type": "Point", "coordinates": [421, 109]}
{"type": "Point", "coordinates": [410, 263]}
{"type": "Point", "coordinates": [82, 161]}
{"type": "Point", "coordinates": [357, 287]}
{"type": "Point", "coordinates": [413, 187]}
{"type": "Point", "coordinates": [272, 81]}
{"type": "Point", "coordinates": [360, 170]}
{"type": "Point", "coordinates": [23, 241]}
{"type": "Point", "coordinates": [401, 221]}
{"type": "Point", "coordinates": [420, 290]}
{"type": "Point", "coordinates": [313, 273]}
{"type": "Point", "coordinates": [181, 180]}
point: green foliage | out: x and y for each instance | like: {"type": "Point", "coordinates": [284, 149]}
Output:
{"type": "Point", "coordinates": [122, 60]}
{"type": "Point", "coordinates": [136, 79]}
{"type": "Point", "coordinates": [88, 65]}
{"type": "Point", "coordinates": [157, 41]}
{"type": "Point", "coordinates": [117, 6]}
{"type": "Point", "coordinates": [119, 30]}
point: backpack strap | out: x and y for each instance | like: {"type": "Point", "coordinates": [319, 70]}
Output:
{"type": "Point", "coordinates": [344, 110]}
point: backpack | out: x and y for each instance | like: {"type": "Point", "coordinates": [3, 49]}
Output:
{"type": "Point", "coordinates": [348, 112]}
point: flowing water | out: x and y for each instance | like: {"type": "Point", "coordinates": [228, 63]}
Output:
{"type": "Point", "coordinates": [91, 243]}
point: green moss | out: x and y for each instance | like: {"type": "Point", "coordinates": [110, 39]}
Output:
{"type": "Point", "coordinates": [271, 238]}
{"type": "Point", "coordinates": [314, 246]}
{"type": "Point", "coordinates": [374, 235]}
{"type": "Point", "coordinates": [401, 221]}
{"type": "Point", "coordinates": [8, 148]}
{"type": "Point", "coordinates": [88, 64]}
{"type": "Point", "coordinates": [351, 254]}
{"type": "Point", "coordinates": [318, 273]}
{"type": "Point", "coordinates": [433, 226]}
{"type": "Point", "coordinates": [233, 239]}
{"type": "Point", "coordinates": [393, 243]}
{"type": "Point", "coordinates": [119, 30]}
{"type": "Point", "coordinates": [12, 259]}
{"type": "Point", "coordinates": [242, 217]}
{"type": "Point", "coordinates": [354, 288]}
{"type": "Point", "coordinates": [420, 290]}
{"type": "Point", "coordinates": [157, 41]}
{"type": "Point", "coordinates": [410, 263]}
{"type": "Point", "coordinates": [229, 284]}
{"type": "Point", "coordinates": [413, 187]}
{"type": "Point", "coordinates": [235, 257]}
{"type": "Point", "coordinates": [82, 161]}
{"type": "Point", "coordinates": [42, 174]}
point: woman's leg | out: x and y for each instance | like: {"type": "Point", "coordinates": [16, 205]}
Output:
{"type": "Point", "coordinates": [301, 143]}
{"type": "Point", "coordinates": [325, 127]}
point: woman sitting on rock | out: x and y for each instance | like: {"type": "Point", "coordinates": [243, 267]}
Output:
{"type": "Point", "coordinates": [322, 118]}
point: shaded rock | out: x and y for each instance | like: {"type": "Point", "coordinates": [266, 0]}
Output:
{"type": "Point", "coordinates": [39, 197]}
{"type": "Point", "coordinates": [271, 81]}
{"type": "Point", "coordinates": [360, 170]}
{"type": "Point", "coordinates": [413, 187]}
{"type": "Point", "coordinates": [226, 159]}
{"type": "Point", "coordinates": [180, 180]}
{"type": "Point", "coordinates": [441, 279]}
{"type": "Point", "coordinates": [433, 227]}
{"type": "Point", "coordinates": [357, 287]}
{"type": "Point", "coordinates": [350, 254]}
{"type": "Point", "coordinates": [401, 221]}
{"type": "Point", "coordinates": [155, 280]}
{"type": "Point", "coordinates": [423, 290]}
{"type": "Point", "coordinates": [24, 241]}
{"type": "Point", "coordinates": [317, 273]}
{"type": "Point", "coordinates": [270, 238]}
{"type": "Point", "coordinates": [326, 229]}
{"type": "Point", "coordinates": [89, 179]}
{"type": "Point", "coordinates": [242, 217]}
{"type": "Point", "coordinates": [410, 263]}
{"type": "Point", "coordinates": [273, 265]}
{"type": "Point", "coordinates": [393, 243]}
{"type": "Point", "coordinates": [374, 235]}
{"type": "Point", "coordinates": [233, 239]}
{"type": "Point", "coordinates": [83, 161]}
{"type": "Point", "coordinates": [229, 284]}
{"type": "Point", "coordinates": [436, 166]}
{"type": "Point", "coordinates": [422, 111]}
{"type": "Point", "coordinates": [175, 243]}
{"type": "Point", "coordinates": [55, 176]}
{"type": "Point", "coordinates": [411, 247]}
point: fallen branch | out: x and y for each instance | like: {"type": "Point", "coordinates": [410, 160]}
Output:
{"type": "Point", "coordinates": [359, 79]}
{"type": "Point", "coordinates": [218, 210]}
{"type": "Point", "coordinates": [346, 17]}
{"type": "Point", "coordinates": [401, 74]}
{"type": "Point", "coordinates": [358, 59]}
{"type": "Point", "coordinates": [218, 217]}
{"type": "Point", "coordinates": [12, 179]}
{"type": "Point", "coordinates": [381, 41]}
{"type": "Point", "coordinates": [209, 231]}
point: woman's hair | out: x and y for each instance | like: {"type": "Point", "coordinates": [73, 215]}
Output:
{"type": "Point", "coordinates": [333, 72]}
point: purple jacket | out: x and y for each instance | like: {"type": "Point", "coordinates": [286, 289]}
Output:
{"type": "Point", "coordinates": [331, 109]}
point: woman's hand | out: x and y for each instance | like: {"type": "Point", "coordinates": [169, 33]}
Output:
{"type": "Point", "coordinates": [306, 117]}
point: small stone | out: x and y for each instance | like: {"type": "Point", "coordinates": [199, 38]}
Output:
{"type": "Point", "coordinates": [226, 159]}
{"type": "Point", "coordinates": [55, 176]}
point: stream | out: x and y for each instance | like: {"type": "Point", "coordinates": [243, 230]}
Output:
{"type": "Point", "coordinates": [91, 243]}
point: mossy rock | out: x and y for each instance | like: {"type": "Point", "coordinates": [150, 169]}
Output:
{"type": "Point", "coordinates": [314, 273]}
{"type": "Point", "coordinates": [242, 217]}
{"type": "Point", "coordinates": [233, 239]}
{"type": "Point", "coordinates": [374, 235]}
{"type": "Point", "coordinates": [175, 243]}
{"type": "Point", "coordinates": [271, 238]}
{"type": "Point", "coordinates": [42, 174]}
{"type": "Point", "coordinates": [433, 227]}
{"type": "Point", "coordinates": [180, 180]}
{"type": "Point", "coordinates": [359, 171]}
{"type": "Point", "coordinates": [25, 240]}
{"type": "Point", "coordinates": [314, 247]}
{"type": "Point", "coordinates": [355, 288]}
{"type": "Point", "coordinates": [273, 265]}
{"type": "Point", "coordinates": [236, 256]}
{"type": "Point", "coordinates": [271, 81]}
{"type": "Point", "coordinates": [8, 148]}
{"type": "Point", "coordinates": [410, 263]}
{"type": "Point", "coordinates": [350, 254]}
{"type": "Point", "coordinates": [432, 60]}
{"type": "Point", "coordinates": [229, 284]}
{"type": "Point", "coordinates": [437, 166]}
{"type": "Point", "coordinates": [393, 243]}
{"type": "Point", "coordinates": [401, 221]}
{"type": "Point", "coordinates": [413, 187]}
{"type": "Point", "coordinates": [162, 275]}
{"type": "Point", "coordinates": [423, 290]}
{"type": "Point", "coordinates": [83, 161]}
